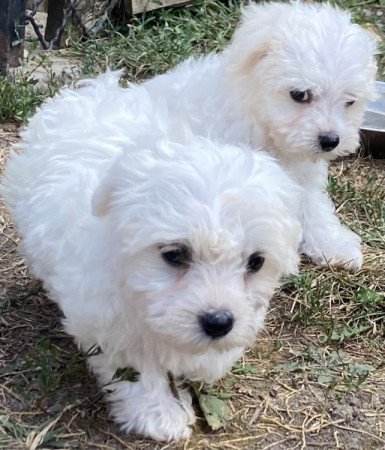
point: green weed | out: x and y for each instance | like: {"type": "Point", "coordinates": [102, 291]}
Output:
{"type": "Point", "coordinates": [330, 368]}
{"type": "Point", "coordinates": [19, 99]}
{"type": "Point", "coordinates": [155, 42]}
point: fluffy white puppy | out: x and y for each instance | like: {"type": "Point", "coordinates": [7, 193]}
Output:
{"type": "Point", "coordinates": [161, 249]}
{"type": "Point", "coordinates": [295, 81]}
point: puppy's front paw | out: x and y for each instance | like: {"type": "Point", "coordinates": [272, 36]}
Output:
{"type": "Point", "coordinates": [155, 415]}
{"type": "Point", "coordinates": [343, 249]}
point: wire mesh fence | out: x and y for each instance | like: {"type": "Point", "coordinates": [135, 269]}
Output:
{"type": "Point", "coordinates": [50, 19]}
{"type": "Point", "coordinates": [88, 16]}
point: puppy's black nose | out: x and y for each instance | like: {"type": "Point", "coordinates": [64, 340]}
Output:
{"type": "Point", "coordinates": [328, 141]}
{"type": "Point", "coordinates": [217, 324]}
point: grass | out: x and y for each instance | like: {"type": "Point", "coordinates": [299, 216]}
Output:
{"type": "Point", "coordinates": [316, 376]}
{"type": "Point", "coordinates": [148, 45]}
{"type": "Point", "coordinates": [19, 99]}
{"type": "Point", "coordinates": [153, 43]}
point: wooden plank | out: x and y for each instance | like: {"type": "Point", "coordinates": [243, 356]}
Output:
{"type": "Point", "coordinates": [139, 6]}
{"type": "Point", "coordinates": [12, 29]}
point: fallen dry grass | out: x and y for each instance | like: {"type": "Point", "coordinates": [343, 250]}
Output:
{"type": "Point", "coordinates": [314, 379]}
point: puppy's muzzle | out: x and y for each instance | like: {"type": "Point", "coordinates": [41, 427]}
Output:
{"type": "Point", "coordinates": [328, 141]}
{"type": "Point", "coordinates": [217, 324]}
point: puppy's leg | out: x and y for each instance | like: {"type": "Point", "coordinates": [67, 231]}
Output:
{"type": "Point", "coordinates": [325, 239]}
{"type": "Point", "coordinates": [147, 406]}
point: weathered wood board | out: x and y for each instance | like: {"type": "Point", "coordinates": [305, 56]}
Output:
{"type": "Point", "coordinates": [139, 6]}
{"type": "Point", "coordinates": [12, 28]}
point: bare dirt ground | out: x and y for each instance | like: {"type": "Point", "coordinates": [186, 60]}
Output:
{"type": "Point", "coordinates": [314, 379]}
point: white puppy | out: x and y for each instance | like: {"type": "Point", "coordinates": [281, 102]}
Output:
{"type": "Point", "coordinates": [162, 249]}
{"type": "Point", "coordinates": [295, 81]}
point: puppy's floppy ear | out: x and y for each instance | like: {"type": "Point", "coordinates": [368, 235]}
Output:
{"type": "Point", "coordinates": [101, 200]}
{"type": "Point", "coordinates": [251, 61]}
{"type": "Point", "coordinates": [252, 39]}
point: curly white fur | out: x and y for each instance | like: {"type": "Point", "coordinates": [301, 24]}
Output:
{"type": "Point", "coordinates": [242, 95]}
{"type": "Point", "coordinates": [104, 181]}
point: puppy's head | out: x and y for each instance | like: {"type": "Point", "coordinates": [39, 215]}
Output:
{"type": "Point", "coordinates": [203, 236]}
{"type": "Point", "coordinates": [304, 72]}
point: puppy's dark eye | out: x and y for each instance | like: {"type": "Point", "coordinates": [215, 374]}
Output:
{"type": "Point", "coordinates": [350, 103]}
{"type": "Point", "coordinates": [255, 263]}
{"type": "Point", "coordinates": [178, 256]}
{"type": "Point", "coordinates": [301, 96]}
